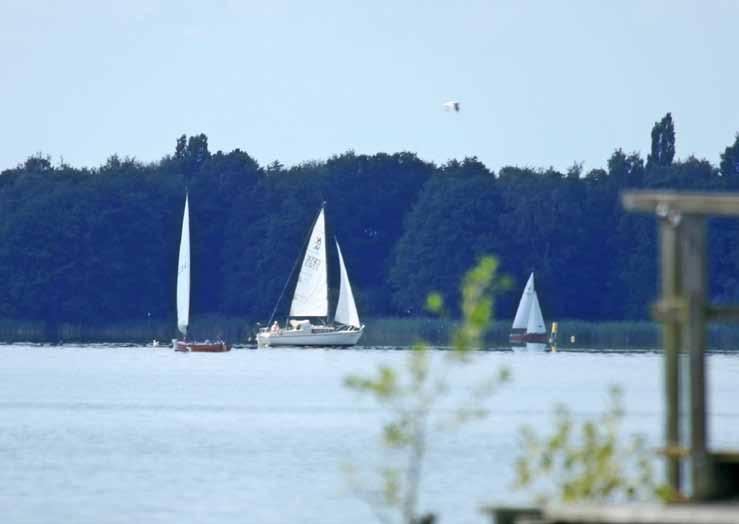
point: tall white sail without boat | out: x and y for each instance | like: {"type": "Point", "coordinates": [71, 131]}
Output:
{"type": "Point", "coordinates": [311, 293]}
{"type": "Point", "coordinates": [183, 274]}
{"type": "Point", "coordinates": [346, 309]}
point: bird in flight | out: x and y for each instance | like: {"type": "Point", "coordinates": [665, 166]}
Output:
{"type": "Point", "coordinates": [452, 105]}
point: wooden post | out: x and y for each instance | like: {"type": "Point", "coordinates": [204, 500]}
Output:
{"type": "Point", "coordinates": [693, 334]}
{"type": "Point", "coordinates": [671, 288]}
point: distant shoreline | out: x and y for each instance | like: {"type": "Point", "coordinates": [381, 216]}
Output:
{"type": "Point", "coordinates": [381, 332]}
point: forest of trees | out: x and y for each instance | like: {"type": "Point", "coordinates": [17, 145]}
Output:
{"type": "Point", "coordinates": [100, 245]}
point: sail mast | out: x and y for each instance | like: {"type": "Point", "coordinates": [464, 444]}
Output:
{"type": "Point", "coordinates": [323, 210]}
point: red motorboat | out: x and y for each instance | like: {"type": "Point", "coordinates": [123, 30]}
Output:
{"type": "Point", "coordinates": [185, 346]}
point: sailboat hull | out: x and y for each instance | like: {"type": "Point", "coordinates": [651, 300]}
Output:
{"type": "Point", "coordinates": [201, 347]}
{"type": "Point", "coordinates": [529, 341]}
{"type": "Point", "coordinates": [535, 338]}
{"type": "Point", "coordinates": [320, 337]}
{"type": "Point", "coordinates": [517, 337]}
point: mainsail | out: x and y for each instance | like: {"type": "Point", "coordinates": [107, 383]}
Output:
{"type": "Point", "coordinates": [521, 319]}
{"type": "Point", "coordinates": [346, 309]}
{"type": "Point", "coordinates": [183, 274]}
{"type": "Point", "coordinates": [311, 293]}
{"type": "Point", "coordinates": [535, 325]}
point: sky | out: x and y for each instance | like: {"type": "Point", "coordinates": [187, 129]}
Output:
{"type": "Point", "coordinates": [541, 83]}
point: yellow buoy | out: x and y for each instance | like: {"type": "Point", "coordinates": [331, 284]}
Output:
{"type": "Point", "coordinates": [553, 337]}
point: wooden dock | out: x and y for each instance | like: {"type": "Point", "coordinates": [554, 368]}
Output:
{"type": "Point", "coordinates": [684, 308]}
{"type": "Point", "coordinates": [644, 514]}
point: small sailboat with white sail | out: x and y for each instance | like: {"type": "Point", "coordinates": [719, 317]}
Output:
{"type": "Point", "coordinates": [529, 329]}
{"type": "Point", "coordinates": [183, 296]}
{"type": "Point", "coordinates": [308, 323]}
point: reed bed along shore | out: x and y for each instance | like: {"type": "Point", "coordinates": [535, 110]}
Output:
{"type": "Point", "coordinates": [134, 331]}
{"type": "Point", "coordinates": [573, 334]}
{"type": "Point", "coordinates": [381, 332]}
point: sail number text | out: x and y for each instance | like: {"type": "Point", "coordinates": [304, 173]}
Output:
{"type": "Point", "coordinates": [312, 262]}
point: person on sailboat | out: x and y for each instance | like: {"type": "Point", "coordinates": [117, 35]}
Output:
{"type": "Point", "coordinates": [275, 327]}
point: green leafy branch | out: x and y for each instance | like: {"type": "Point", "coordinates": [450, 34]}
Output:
{"type": "Point", "coordinates": [588, 462]}
{"type": "Point", "coordinates": [410, 394]}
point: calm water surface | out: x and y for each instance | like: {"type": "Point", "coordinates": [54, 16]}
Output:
{"type": "Point", "coordinates": [106, 434]}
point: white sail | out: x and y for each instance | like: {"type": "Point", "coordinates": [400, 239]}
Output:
{"type": "Point", "coordinates": [535, 325]}
{"type": "Point", "coordinates": [346, 309]}
{"type": "Point", "coordinates": [311, 293]}
{"type": "Point", "coordinates": [521, 319]}
{"type": "Point", "coordinates": [183, 274]}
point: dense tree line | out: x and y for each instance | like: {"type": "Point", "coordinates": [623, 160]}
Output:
{"type": "Point", "coordinates": [100, 245]}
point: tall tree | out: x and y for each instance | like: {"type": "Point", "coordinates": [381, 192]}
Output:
{"type": "Point", "coordinates": [191, 154]}
{"type": "Point", "coordinates": [730, 160]}
{"type": "Point", "coordinates": [663, 143]}
{"type": "Point", "coordinates": [452, 223]}
{"type": "Point", "coordinates": [99, 245]}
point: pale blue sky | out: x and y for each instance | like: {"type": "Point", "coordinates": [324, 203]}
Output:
{"type": "Point", "coordinates": [541, 83]}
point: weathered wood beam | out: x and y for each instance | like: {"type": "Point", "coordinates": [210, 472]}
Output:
{"type": "Point", "coordinates": [676, 310]}
{"type": "Point", "coordinates": [722, 313]}
{"type": "Point", "coordinates": [670, 309]}
{"type": "Point", "coordinates": [666, 204]}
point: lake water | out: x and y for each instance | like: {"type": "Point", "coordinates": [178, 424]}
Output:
{"type": "Point", "coordinates": [122, 435]}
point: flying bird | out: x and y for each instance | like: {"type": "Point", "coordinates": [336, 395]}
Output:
{"type": "Point", "coordinates": [452, 105]}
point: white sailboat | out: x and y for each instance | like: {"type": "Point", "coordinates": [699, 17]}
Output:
{"type": "Point", "coordinates": [528, 325]}
{"type": "Point", "coordinates": [521, 320]}
{"type": "Point", "coordinates": [310, 301]}
{"type": "Point", "coordinates": [183, 295]}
